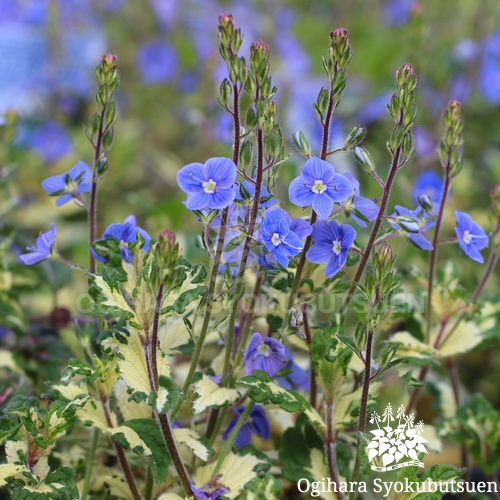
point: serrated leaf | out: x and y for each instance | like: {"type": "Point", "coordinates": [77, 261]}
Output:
{"type": "Point", "coordinates": [193, 441]}
{"type": "Point", "coordinates": [209, 394]}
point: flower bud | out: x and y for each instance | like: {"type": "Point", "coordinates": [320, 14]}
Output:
{"type": "Point", "coordinates": [364, 159]}
{"type": "Point", "coordinates": [225, 91]}
{"type": "Point", "coordinates": [425, 201]}
{"type": "Point", "coordinates": [252, 118]}
{"type": "Point", "coordinates": [404, 75]}
{"type": "Point", "coordinates": [246, 154]}
{"type": "Point", "coordinates": [300, 140]}
{"type": "Point", "coordinates": [408, 224]}
{"type": "Point", "coordinates": [355, 136]}
{"type": "Point", "coordinates": [322, 101]}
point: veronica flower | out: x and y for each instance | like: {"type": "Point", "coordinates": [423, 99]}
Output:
{"type": "Point", "coordinates": [125, 233]}
{"type": "Point", "coordinates": [331, 245]}
{"type": "Point", "coordinates": [431, 184]}
{"type": "Point", "coordinates": [411, 226]}
{"type": "Point", "coordinates": [471, 236]}
{"type": "Point", "coordinates": [210, 491]}
{"type": "Point", "coordinates": [45, 248]}
{"type": "Point", "coordinates": [208, 185]}
{"type": "Point", "coordinates": [257, 424]}
{"type": "Point", "coordinates": [265, 354]}
{"type": "Point", "coordinates": [75, 181]}
{"type": "Point", "coordinates": [320, 186]}
{"type": "Point", "coordinates": [361, 209]}
{"type": "Point", "coordinates": [282, 236]}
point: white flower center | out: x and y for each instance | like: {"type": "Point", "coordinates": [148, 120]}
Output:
{"type": "Point", "coordinates": [276, 239]}
{"type": "Point", "coordinates": [467, 237]}
{"type": "Point", "coordinates": [336, 247]}
{"type": "Point", "coordinates": [264, 350]}
{"type": "Point", "coordinates": [209, 187]}
{"type": "Point", "coordinates": [319, 187]}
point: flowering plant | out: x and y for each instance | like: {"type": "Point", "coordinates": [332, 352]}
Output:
{"type": "Point", "coordinates": [231, 381]}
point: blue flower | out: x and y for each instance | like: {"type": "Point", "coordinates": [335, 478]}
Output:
{"type": "Point", "coordinates": [298, 379]}
{"type": "Point", "coordinates": [51, 142]}
{"type": "Point", "coordinates": [398, 12]}
{"type": "Point", "coordinates": [125, 233]}
{"type": "Point", "coordinates": [210, 491]}
{"type": "Point", "coordinates": [257, 424]}
{"type": "Point", "coordinates": [76, 181]}
{"type": "Point", "coordinates": [157, 62]}
{"type": "Point", "coordinates": [412, 228]}
{"type": "Point", "coordinates": [209, 185]}
{"type": "Point", "coordinates": [331, 245]}
{"type": "Point", "coordinates": [360, 208]}
{"type": "Point", "coordinates": [282, 236]}
{"type": "Point", "coordinates": [45, 248]}
{"type": "Point", "coordinates": [265, 354]}
{"type": "Point", "coordinates": [320, 187]}
{"type": "Point", "coordinates": [471, 236]}
{"type": "Point", "coordinates": [431, 184]}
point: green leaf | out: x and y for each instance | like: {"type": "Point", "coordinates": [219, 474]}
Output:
{"type": "Point", "coordinates": [149, 432]}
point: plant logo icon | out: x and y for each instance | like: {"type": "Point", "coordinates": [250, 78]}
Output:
{"type": "Point", "coordinates": [395, 447]}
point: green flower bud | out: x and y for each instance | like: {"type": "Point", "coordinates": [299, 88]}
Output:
{"type": "Point", "coordinates": [252, 118]}
{"type": "Point", "coordinates": [364, 159]}
{"type": "Point", "coordinates": [302, 143]}
{"type": "Point", "coordinates": [322, 101]}
{"type": "Point", "coordinates": [425, 201]}
{"type": "Point", "coordinates": [246, 153]}
{"type": "Point", "coordinates": [355, 136]}
{"type": "Point", "coordinates": [225, 91]}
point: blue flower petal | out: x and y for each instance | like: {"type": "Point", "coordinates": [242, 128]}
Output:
{"type": "Point", "coordinates": [198, 201]}
{"type": "Point", "coordinates": [315, 169]}
{"type": "Point", "coordinates": [339, 188]}
{"type": "Point", "coordinates": [420, 241]}
{"type": "Point", "coordinates": [190, 178]}
{"type": "Point", "coordinates": [222, 171]}
{"type": "Point", "coordinates": [220, 199]}
{"type": "Point", "coordinates": [336, 264]}
{"type": "Point", "coordinates": [281, 255]}
{"type": "Point", "coordinates": [368, 208]}
{"type": "Point", "coordinates": [259, 422]}
{"type": "Point", "coordinates": [322, 205]}
{"type": "Point", "coordinates": [65, 198]}
{"type": "Point", "coordinates": [300, 227]}
{"type": "Point", "coordinates": [299, 193]}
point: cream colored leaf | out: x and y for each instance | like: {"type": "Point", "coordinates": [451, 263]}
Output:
{"type": "Point", "coordinates": [12, 449]}
{"type": "Point", "coordinates": [9, 470]}
{"type": "Point", "coordinates": [465, 337]}
{"type": "Point", "coordinates": [412, 347]}
{"type": "Point", "coordinates": [319, 470]}
{"type": "Point", "coordinates": [130, 409]}
{"type": "Point", "coordinates": [236, 471]}
{"type": "Point", "coordinates": [173, 333]}
{"type": "Point", "coordinates": [210, 394]}
{"type": "Point", "coordinates": [170, 496]}
{"type": "Point", "coordinates": [117, 486]}
{"type": "Point", "coordinates": [114, 298]}
{"type": "Point", "coordinates": [133, 368]}
{"type": "Point", "coordinates": [131, 436]}
{"type": "Point", "coordinates": [192, 439]}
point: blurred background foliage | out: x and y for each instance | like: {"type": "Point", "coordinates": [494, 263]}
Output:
{"type": "Point", "coordinates": [169, 116]}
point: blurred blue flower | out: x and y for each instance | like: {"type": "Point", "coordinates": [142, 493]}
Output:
{"type": "Point", "coordinates": [471, 236]}
{"type": "Point", "coordinates": [488, 79]}
{"type": "Point", "coordinates": [265, 354]}
{"type": "Point", "coordinates": [412, 228]}
{"type": "Point", "coordinates": [208, 185]}
{"type": "Point", "coordinates": [257, 424]}
{"type": "Point", "coordinates": [425, 145]}
{"type": "Point", "coordinates": [50, 141]}
{"type": "Point", "coordinates": [374, 109]}
{"type": "Point", "coordinates": [430, 183]}
{"type": "Point", "coordinates": [331, 245]}
{"type": "Point", "coordinates": [125, 233]}
{"type": "Point", "coordinates": [320, 186]}
{"type": "Point", "coordinates": [359, 207]}
{"type": "Point", "coordinates": [398, 12]}
{"type": "Point", "coordinates": [165, 11]}
{"type": "Point", "coordinates": [157, 62]}
{"type": "Point", "coordinates": [279, 237]}
{"type": "Point", "coordinates": [76, 180]}
{"type": "Point", "coordinates": [44, 248]}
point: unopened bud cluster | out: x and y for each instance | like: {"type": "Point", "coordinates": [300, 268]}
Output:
{"type": "Point", "coordinates": [231, 39]}
{"type": "Point", "coordinates": [166, 253]}
{"type": "Point", "coordinates": [403, 110]}
{"type": "Point", "coordinates": [450, 150]}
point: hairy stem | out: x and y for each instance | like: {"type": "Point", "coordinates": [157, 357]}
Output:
{"type": "Point", "coordinates": [313, 390]}
{"type": "Point", "coordinates": [331, 448]}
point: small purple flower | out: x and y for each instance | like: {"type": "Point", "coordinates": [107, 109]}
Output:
{"type": "Point", "coordinates": [471, 236]}
{"type": "Point", "coordinates": [125, 233]}
{"type": "Point", "coordinates": [361, 209]}
{"type": "Point", "coordinates": [320, 186]}
{"type": "Point", "coordinates": [66, 185]}
{"type": "Point", "coordinates": [331, 245]}
{"type": "Point", "coordinates": [257, 424]}
{"type": "Point", "coordinates": [157, 62]}
{"type": "Point", "coordinates": [45, 248]}
{"type": "Point", "coordinates": [210, 491]}
{"type": "Point", "coordinates": [208, 185]}
{"type": "Point", "coordinates": [282, 236]}
{"type": "Point", "coordinates": [412, 228]}
{"type": "Point", "coordinates": [298, 379]}
{"type": "Point", "coordinates": [265, 354]}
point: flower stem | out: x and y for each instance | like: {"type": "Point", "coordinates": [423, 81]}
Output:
{"type": "Point", "coordinates": [93, 192]}
{"type": "Point", "coordinates": [90, 464]}
{"type": "Point", "coordinates": [230, 440]}
{"type": "Point", "coordinates": [376, 226]}
{"type": "Point", "coordinates": [331, 448]}
{"type": "Point", "coordinates": [364, 400]}
{"type": "Point", "coordinates": [313, 390]}
{"type": "Point", "coordinates": [434, 254]}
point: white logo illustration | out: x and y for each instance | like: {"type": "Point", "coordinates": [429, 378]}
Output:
{"type": "Point", "coordinates": [395, 446]}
